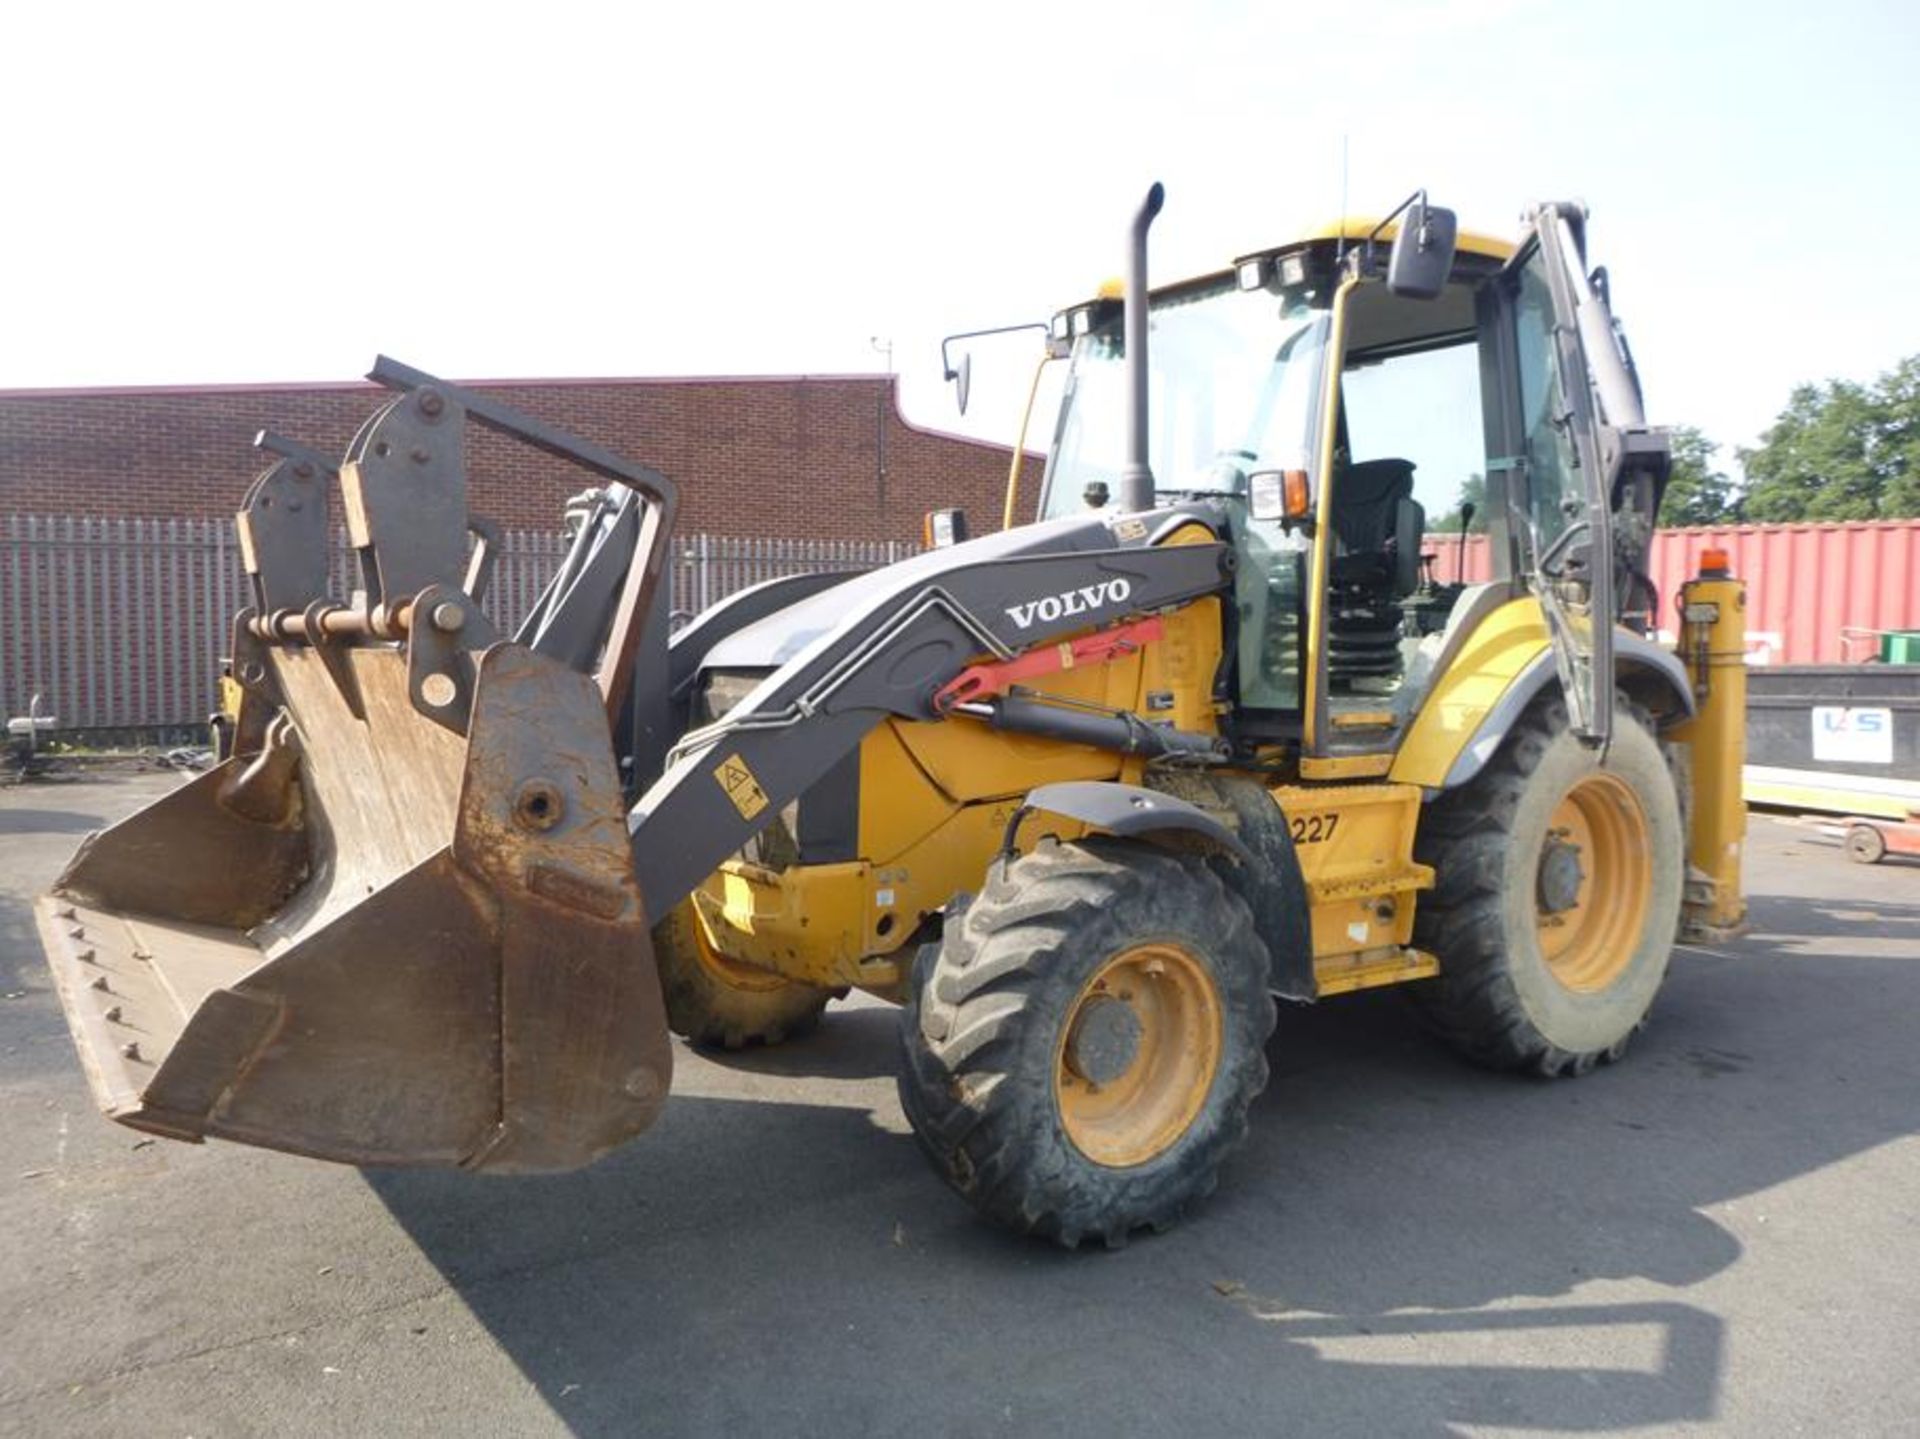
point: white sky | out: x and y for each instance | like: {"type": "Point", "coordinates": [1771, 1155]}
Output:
{"type": "Point", "coordinates": [203, 194]}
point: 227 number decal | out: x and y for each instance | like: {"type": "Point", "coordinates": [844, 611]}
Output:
{"type": "Point", "coordinates": [1313, 828]}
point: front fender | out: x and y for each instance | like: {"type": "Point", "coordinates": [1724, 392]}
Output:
{"type": "Point", "coordinates": [1254, 853]}
{"type": "Point", "coordinates": [1129, 810]}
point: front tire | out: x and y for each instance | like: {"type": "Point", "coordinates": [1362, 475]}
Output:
{"type": "Point", "coordinates": [1557, 891]}
{"type": "Point", "coordinates": [714, 1001]}
{"type": "Point", "coordinates": [1081, 1050]}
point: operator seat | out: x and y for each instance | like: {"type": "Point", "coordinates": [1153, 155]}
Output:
{"type": "Point", "coordinates": [1377, 528]}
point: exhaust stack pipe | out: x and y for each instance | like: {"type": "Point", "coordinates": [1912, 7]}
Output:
{"type": "Point", "coordinates": [1136, 478]}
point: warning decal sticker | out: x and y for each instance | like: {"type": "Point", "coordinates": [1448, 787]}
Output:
{"type": "Point", "coordinates": [741, 787]}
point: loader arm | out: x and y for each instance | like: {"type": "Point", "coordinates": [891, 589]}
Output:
{"type": "Point", "coordinates": [907, 630]}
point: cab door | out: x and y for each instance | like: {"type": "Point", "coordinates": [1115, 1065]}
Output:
{"type": "Point", "coordinates": [1546, 456]}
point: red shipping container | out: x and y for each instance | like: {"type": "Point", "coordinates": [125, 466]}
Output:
{"type": "Point", "coordinates": [1816, 593]}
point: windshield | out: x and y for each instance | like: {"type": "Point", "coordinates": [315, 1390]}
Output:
{"type": "Point", "coordinates": [1233, 378]}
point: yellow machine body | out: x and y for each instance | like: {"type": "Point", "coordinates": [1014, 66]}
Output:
{"type": "Point", "coordinates": [940, 797]}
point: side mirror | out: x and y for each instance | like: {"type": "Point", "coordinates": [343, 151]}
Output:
{"type": "Point", "coordinates": [1422, 255]}
{"type": "Point", "coordinates": [959, 373]}
{"type": "Point", "coordinates": [943, 528]}
{"type": "Point", "coordinates": [959, 376]}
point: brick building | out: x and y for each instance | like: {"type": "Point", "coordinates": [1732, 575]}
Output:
{"type": "Point", "coordinates": [802, 457]}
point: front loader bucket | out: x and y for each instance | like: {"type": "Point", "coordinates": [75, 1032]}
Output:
{"type": "Point", "coordinates": [434, 955]}
{"type": "Point", "coordinates": [401, 924]}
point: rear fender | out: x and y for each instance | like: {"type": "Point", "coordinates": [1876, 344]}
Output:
{"type": "Point", "coordinates": [1653, 678]}
{"type": "Point", "coordinates": [1481, 698]}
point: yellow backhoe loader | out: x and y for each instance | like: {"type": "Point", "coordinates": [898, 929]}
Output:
{"type": "Point", "coordinates": [1085, 795]}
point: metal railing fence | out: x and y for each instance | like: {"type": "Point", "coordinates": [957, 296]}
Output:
{"type": "Point", "coordinates": [122, 623]}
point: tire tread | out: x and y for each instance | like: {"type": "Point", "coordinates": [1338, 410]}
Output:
{"type": "Point", "coordinates": [1473, 1004]}
{"type": "Point", "coordinates": [971, 1090]}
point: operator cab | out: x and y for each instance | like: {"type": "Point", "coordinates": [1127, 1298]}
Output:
{"type": "Point", "coordinates": [1324, 418]}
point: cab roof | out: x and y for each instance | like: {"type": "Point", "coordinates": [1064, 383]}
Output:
{"type": "Point", "coordinates": [1353, 229]}
{"type": "Point", "coordinates": [1358, 227]}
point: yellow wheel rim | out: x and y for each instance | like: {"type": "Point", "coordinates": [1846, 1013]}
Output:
{"type": "Point", "coordinates": [1138, 1054]}
{"type": "Point", "coordinates": [1593, 884]}
{"type": "Point", "coordinates": [729, 972]}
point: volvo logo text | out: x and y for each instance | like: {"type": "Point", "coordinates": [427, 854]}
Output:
{"type": "Point", "coordinates": [1074, 602]}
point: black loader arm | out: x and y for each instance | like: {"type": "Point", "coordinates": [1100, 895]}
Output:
{"type": "Point", "coordinates": [907, 630]}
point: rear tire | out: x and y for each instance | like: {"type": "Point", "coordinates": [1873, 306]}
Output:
{"type": "Point", "coordinates": [715, 1001]}
{"type": "Point", "coordinates": [1081, 1049]}
{"type": "Point", "coordinates": [1557, 891]}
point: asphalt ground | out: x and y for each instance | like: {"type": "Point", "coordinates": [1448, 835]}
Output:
{"type": "Point", "coordinates": [1717, 1235]}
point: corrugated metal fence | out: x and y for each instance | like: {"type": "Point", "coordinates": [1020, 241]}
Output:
{"type": "Point", "coordinates": [121, 624]}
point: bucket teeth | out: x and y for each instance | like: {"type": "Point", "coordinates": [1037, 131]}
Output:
{"type": "Point", "coordinates": [124, 1010]}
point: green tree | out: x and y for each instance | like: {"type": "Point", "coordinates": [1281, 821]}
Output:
{"type": "Point", "coordinates": [1841, 451]}
{"type": "Point", "coordinates": [1697, 492]}
{"type": "Point", "coordinates": [1472, 492]}
{"type": "Point", "coordinates": [1897, 440]}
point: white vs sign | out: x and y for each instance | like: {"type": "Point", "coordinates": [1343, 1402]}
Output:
{"type": "Point", "coordinates": [1853, 736]}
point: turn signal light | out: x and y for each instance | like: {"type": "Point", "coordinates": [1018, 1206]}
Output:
{"type": "Point", "coordinates": [1293, 493]}
{"type": "Point", "coordinates": [942, 528]}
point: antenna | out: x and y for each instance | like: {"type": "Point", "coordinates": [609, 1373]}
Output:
{"type": "Point", "coordinates": [1340, 245]}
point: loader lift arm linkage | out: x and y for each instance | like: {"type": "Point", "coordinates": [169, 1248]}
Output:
{"type": "Point", "coordinates": [643, 580]}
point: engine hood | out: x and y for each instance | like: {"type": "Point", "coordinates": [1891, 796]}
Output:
{"type": "Point", "coordinates": [771, 642]}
